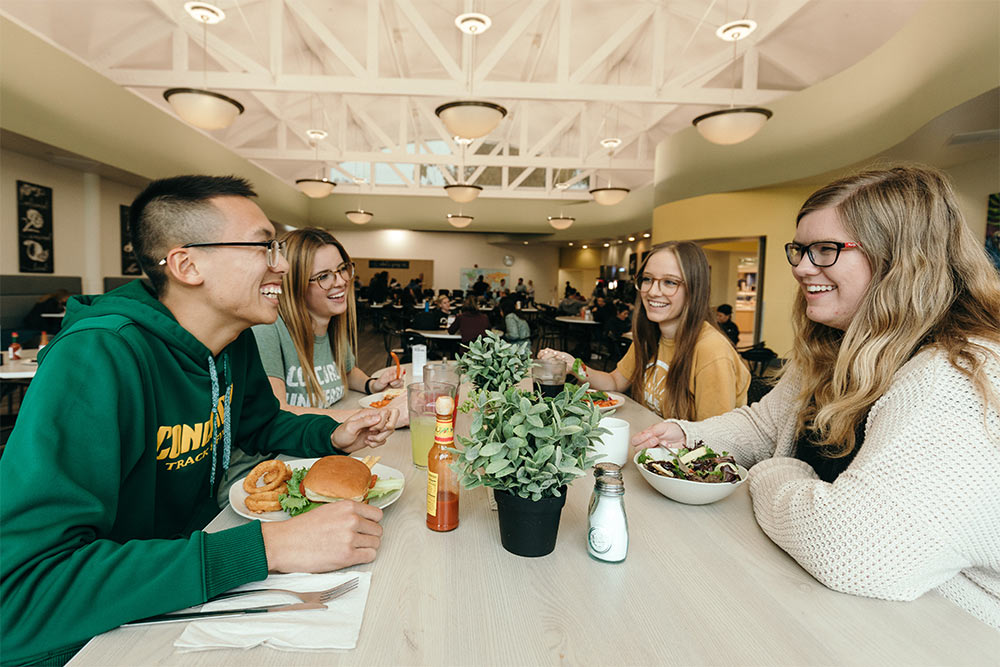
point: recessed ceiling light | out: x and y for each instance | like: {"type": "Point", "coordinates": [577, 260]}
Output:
{"type": "Point", "coordinates": [607, 245]}
{"type": "Point", "coordinates": [611, 143]}
{"type": "Point", "coordinates": [646, 235]}
{"type": "Point", "coordinates": [620, 242]}
{"type": "Point", "coordinates": [473, 23]}
{"type": "Point", "coordinates": [734, 31]}
{"type": "Point", "coordinates": [631, 238]}
{"type": "Point", "coordinates": [525, 243]}
{"type": "Point", "coordinates": [570, 244]}
{"type": "Point", "coordinates": [202, 12]}
{"type": "Point", "coordinates": [584, 246]}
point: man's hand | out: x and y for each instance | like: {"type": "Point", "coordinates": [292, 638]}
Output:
{"type": "Point", "coordinates": [664, 434]}
{"type": "Point", "coordinates": [327, 538]}
{"type": "Point", "coordinates": [365, 428]}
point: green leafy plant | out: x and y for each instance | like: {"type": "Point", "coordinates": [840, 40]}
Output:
{"type": "Point", "coordinates": [527, 444]}
{"type": "Point", "coordinates": [493, 364]}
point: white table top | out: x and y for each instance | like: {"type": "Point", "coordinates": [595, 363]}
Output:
{"type": "Point", "coordinates": [441, 334]}
{"type": "Point", "coordinates": [19, 369]}
{"type": "Point", "coordinates": [701, 585]}
{"type": "Point", "coordinates": [575, 320]}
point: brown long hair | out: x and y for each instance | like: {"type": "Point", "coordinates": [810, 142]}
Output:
{"type": "Point", "coordinates": [646, 334]}
{"type": "Point", "coordinates": [932, 286]}
{"type": "Point", "coordinates": [302, 245]}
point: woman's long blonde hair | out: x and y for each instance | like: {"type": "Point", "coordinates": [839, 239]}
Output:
{"type": "Point", "coordinates": [301, 248]}
{"type": "Point", "coordinates": [646, 334]}
{"type": "Point", "coordinates": [932, 286]}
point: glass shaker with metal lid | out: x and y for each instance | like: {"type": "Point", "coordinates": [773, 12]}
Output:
{"type": "Point", "coordinates": [601, 469]}
{"type": "Point", "coordinates": [607, 534]}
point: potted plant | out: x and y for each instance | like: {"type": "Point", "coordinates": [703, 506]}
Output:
{"type": "Point", "coordinates": [493, 364]}
{"type": "Point", "coordinates": [528, 448]}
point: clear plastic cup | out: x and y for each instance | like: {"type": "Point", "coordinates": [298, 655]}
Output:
{"type": "Point", "coordinates": [421, 397]}
{"type": "Point", "coordinates": [549, 376]}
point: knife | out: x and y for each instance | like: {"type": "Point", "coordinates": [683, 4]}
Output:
{"type": "Point", "coordinates": [225, 613]}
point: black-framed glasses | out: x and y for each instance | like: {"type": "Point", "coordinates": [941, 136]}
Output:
{"type": "Point", "coordinates": [274, 248]}
{"type": "Point", "coordinates": [668, 286]}
{"type": "Point", "coordinates": [325, 279]}
{"type": "Point", "coordinates": [822, 253]}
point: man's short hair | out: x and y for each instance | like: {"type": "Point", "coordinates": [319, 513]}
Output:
{"type": "Point", "coordinates": [725, 309]}
{"type": "Point", "coordinates": [173, 211]}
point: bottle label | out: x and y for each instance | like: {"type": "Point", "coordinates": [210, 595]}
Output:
{"type": "Point", "coordinates": [599, 540]}
{"type": "Point", "coordinates": [432, 492]}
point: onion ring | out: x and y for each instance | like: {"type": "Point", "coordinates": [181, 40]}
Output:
{"type": "Point", "coordinates": [263, 502]}
{"type": "Point", "coordinates": [272, 473]}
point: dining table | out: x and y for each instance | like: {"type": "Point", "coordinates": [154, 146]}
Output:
{"type": "Point", "coordinates": [701, 585]}
{"type": "Point", "coordinates": [19, 369]}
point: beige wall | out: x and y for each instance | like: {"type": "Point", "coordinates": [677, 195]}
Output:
{"type": "Point", "coordinates": [452, 252]}
{"type": "Point", "coordinates": [72, 191]}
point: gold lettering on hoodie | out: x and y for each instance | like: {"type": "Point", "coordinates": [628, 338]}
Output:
{"type": "Point", "coordinates": [174, 443]}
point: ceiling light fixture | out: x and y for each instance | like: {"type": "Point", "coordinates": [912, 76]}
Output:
{"type": "Point", "coordinates": [735, 124]}
{"type": "Point", "coordinates": [471, 119]}
{"type": "Point", "coordinates": [584, 246]}
{"type": "Point", "coordinates": [473, 23]}
{"type": "Point", "coordinates": [610, 196]}
{"type": "Point", "coordinates": [631, 238]}
{"type": "Point", "coordinates": [561, 222]}
{"type": "Point", "coordinates": [570, 244]}
{"type": "Point", "coordinates": [316, 188]}
{"type": "Point", "coordinates": [460, 221]}
{"type": "Point", "coordinates": [201, 107]}
{"type": "Point", "coordinates": [462, 192]}
{"type": "Point", "coordinates": [645, 235]}
{"type": "Point", "coordinates": [359, 216]}
{"type": "Point", "coordinates": [607, 245]}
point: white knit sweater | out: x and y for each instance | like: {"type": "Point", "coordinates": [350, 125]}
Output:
{"type": "Point", "coordinates": [917, 509]}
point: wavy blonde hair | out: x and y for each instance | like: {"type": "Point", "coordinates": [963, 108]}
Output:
{"type": "Point", "coordinates": [932, 286]}
{"type": "Point", "coordinates": [679, 403]}
{"type": "Point", "coordinates": [302, 245]}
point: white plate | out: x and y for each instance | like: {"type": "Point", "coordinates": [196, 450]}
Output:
{"type": "Point", "coordinates": [366, 401]}
{"type": "Point", "coordinates": [237, 495]}
{"type": "Point", "coordinates": [618, 399]}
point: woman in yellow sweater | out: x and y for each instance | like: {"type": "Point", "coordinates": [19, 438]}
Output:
{"type": "Point", "coordinates": [679, 363]}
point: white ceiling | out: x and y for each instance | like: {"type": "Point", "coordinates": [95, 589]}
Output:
{"type": "Point", "coordinates": [371, 72]}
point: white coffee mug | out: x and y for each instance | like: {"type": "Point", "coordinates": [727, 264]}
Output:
{"type": "Point", "coordinates": [613, 446]}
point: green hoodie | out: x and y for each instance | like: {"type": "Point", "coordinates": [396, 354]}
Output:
{"type": "Point", "coordinates": [108, 474]}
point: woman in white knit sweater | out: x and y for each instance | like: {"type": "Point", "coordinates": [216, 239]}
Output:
{"type": "Point", "coordinates": [876, 458]}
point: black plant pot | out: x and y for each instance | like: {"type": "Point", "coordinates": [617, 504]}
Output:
{"type": "Point", "coordinates": [529, 527]}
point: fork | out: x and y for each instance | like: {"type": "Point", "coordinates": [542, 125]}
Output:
{"type": "Point", "coordinates": [309, 596]}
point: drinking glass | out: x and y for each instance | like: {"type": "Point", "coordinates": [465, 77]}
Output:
{"type": "Point", "coordinates": [421, 397]}
{"type": "Point", "coordinates": [549, 375]}
{"type": "Point", "coordinates": [441, 371]}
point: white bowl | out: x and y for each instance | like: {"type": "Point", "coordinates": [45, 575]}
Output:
{"type": "Point", "coordinates": [682, 490]}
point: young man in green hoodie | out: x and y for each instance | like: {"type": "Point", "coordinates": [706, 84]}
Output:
{"type": "Point", "coordinates": [111, 470]}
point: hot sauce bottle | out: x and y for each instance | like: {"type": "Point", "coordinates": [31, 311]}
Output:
{"type": "Point", "coordinates": [442, 481]}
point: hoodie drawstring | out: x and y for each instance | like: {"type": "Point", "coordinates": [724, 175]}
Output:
{"type": "Point", "coordinates": [226, 437]}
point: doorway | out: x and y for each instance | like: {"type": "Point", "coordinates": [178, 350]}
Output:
{"type": "Point", "coordinates": [737, 267]}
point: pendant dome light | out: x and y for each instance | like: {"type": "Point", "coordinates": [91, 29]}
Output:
{"type": "Point", "coordinates": [201, 107]}
{"type": "Point", "coordinates": [471, 119]}
{"type": "Point", "coordinates": [610, 196]}
{"type": "Point", "coordinates": [460, 221]}
{"type": "Point", "coordinates": [316, 188]}
{"type": "Point", "coordinates": [462, 192]}
{"type": "Point", "coordinates": [359, 216]}
{"type": "Point", "coordinates": [735, 124]}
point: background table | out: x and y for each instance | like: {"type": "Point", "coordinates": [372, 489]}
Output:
{"type": "Point", "coordinates": [701, 585]}
{"type": "Point", "coordinates": [19, 369]}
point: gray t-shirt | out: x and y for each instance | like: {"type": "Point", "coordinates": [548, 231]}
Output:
{"type": "Point", "coordinates": [277, 354]}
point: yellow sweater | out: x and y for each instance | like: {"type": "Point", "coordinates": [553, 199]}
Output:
{"type": "Point", "coordinates": [719, 377]}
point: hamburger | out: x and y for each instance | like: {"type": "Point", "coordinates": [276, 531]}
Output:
{"type": "Point", "coordinates": [334, 478]}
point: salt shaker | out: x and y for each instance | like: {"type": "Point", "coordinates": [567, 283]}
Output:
{"type": "Point", "coordinates": [607, 534]}
{"type": "Point", "coordinates": [603, 468]}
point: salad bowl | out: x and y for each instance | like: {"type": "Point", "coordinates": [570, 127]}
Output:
{"type": "Point", "coordinates": [682, 490]}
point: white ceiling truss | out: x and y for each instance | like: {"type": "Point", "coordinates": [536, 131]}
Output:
{"type": "Point", "coordinates": [371, 73]}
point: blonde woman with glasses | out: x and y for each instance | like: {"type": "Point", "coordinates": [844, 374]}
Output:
{"type": "Point", "coordinates": [680, 364]}
{"type": "Point", "coordinates": [308, 352]}
{"type": "Point", "coordinates": [876, 458]}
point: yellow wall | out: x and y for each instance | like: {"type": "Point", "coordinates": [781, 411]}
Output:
{"type": "Point", "coordinates": [768, 212]}
{"type": "Point", "coordinates": [578, 258]}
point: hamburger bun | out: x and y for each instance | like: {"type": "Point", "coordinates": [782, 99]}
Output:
{"type": "Point", "coordinates": [334, 478]}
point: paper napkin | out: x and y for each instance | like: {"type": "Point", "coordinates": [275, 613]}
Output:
{"type": "Point", "coordinates": [336, 627]}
